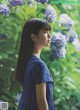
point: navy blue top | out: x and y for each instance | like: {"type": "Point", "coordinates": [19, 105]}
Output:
{"type": "Point", "coordinates": [36, 73]}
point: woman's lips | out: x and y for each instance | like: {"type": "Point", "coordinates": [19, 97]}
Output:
{"type": "Point", "coordinates": [49, 41]}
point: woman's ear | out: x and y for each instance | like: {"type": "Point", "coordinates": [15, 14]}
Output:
{"type": "Point", "coordinates": [33, 37]}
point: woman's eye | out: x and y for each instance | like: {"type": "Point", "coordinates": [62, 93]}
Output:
{"type": "Point", "coordinates": [46, 31]}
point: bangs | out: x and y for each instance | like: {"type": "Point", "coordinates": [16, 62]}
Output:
{"type": "Point", "coordinates": [34, 25]}
{"type": "Point", "coordinates": [46, 26]}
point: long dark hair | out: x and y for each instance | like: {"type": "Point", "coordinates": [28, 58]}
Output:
{"type": "Point", "coordinates": [32, 26]}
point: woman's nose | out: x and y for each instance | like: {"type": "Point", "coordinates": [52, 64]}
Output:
{"type": "Point", "coordinates": [49, 35]}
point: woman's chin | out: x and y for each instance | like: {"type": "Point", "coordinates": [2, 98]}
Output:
{"type": "Point", "coordinates": [47, 45]}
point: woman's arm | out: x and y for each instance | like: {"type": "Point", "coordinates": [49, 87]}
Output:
{"type": "Point", "coordinates": [41, 96]}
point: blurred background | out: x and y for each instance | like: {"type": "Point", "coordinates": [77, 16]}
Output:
{"type": "Point", "coordinates": [62, 58]}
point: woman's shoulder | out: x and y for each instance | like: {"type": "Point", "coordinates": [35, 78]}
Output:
{"type": "Point", "coordinates": [37, 62]}
{"type": "Point", "coordinates": [36, 59]}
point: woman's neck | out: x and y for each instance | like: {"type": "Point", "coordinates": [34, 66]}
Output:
{"type": "Point", "coordinates": [36, 52]}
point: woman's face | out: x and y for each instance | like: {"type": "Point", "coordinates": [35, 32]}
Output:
{"type": "Point", "coordinates": [43, 38]}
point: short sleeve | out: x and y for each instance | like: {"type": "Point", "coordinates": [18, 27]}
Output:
{"type": "Point", "coordinates": [41, 73]}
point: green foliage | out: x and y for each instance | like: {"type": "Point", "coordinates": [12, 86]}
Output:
{"type": "Point", "coordinates": [65, 71]}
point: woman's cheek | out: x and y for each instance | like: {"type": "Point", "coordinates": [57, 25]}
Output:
{"type": "Point", "coordinates": [43, 41]}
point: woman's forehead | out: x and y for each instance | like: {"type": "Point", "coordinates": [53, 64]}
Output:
{"type": "Point", "coordinates": [45, 28]}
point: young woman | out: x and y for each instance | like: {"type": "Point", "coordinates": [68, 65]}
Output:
{"type": "Point", "coordinates": [31, 71]}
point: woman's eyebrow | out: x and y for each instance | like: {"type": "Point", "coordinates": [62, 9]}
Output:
{"type": "Point", "coordinates": [46, 29]}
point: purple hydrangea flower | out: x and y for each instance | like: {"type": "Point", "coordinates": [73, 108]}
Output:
{"type": "Point", "coordinates": [72, 35]}
{"type": "Point", "coordinates": [66, 21]}
{"type": "Point", "coordinates": [58, 45]}
{"type": "Point", "coordinates": [76, 43]}
{"type": "Point", "coordinates": [4, 9]}
{"type": "Point", "coordinates": [16, 2]}
{"type": "Point", "coordinates": [61, 52]}
{"type": "Point", "coordinates": [50, 14]}
{"type": "Point", "coordinates": [73, 38]}
{"type": "Point", "coordinates": [42, 1]}
{"type": "Point", "coordinates": [65, 34]}
{"type": "Point", "coordinates": [18, 97]}
{"type": "Point", "coordinates": [58, 39]}
{"type": "Point", "coordinates": [58, 52]}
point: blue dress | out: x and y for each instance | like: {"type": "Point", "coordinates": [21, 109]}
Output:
{"type": "Point", "coordinates": [36, 73]}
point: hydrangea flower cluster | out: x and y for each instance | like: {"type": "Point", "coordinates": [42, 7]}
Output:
{"type": "Point", "coordinates": [50, 14]}
{"type": "Point", "coordinates": [65, 34]}
{"type": "Point", "coordinates": [16, 2]}
{"type": "Point", "coordinates": [72, 35]}
{"type": "Point", "coordinates": [66, 21]}
{"type": "Point", "coordinates": [58, 45]}
{"type": "Point", "coordinates": [18, 97]}
{"type": "Point", "coordinates": [4, 9]}
{"type": "Point", "coordinates": [42, 1]}
{"type": "Point", "coordinates": [76, 43]}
